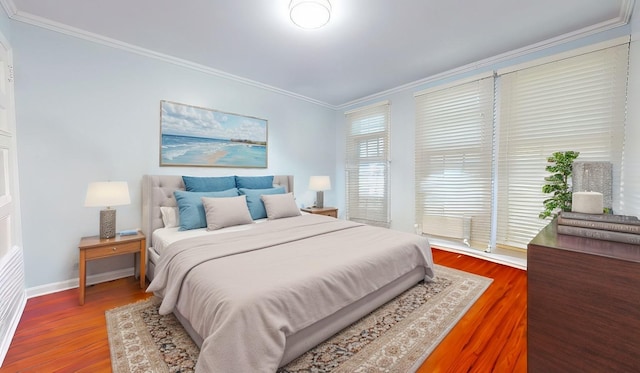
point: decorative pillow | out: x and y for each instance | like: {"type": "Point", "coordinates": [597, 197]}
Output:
{"type": "Point", "coordinates": [191, 211]}
{"type": "Point", "coordinates": [226, 212]}
{"type": "Point", "coordinates": [256, 207]}
{"type": "Point", "coordinates": [208, 184]}
{"type": "Point", "coordinates": [170, 216]}
{"type": "Point", "coordinates": [254, 182]}
{"type": "Point", "coordinates": [280, 206]}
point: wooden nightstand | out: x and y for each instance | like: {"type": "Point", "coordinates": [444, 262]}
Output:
{"type": "Point", "coordinates": [328, 211]}
{"type": "Point", "coordinates": [95, 247]}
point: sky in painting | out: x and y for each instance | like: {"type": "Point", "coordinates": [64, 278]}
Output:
{"type": "Point", "coordinates": [185, 120]}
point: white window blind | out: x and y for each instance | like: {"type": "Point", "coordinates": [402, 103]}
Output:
{"type": "Point", "coordinates": [454, 149]}
{"type": "Point", "coordinates": [367, 165]}
{"type": "Point", "coordinates": [578, 104]}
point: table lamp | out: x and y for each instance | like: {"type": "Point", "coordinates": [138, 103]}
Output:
{"type": "Point", "coordinates": [319, 184]}
{"type": "Point", "coordinates": [107, 194]}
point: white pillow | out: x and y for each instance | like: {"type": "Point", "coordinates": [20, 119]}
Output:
{"type": "Point", "coordinates": [280, 205]}
{"type": "Point", "coordinates": [170, 216]}
{"type": "Point", "coordinates": [224, 212]}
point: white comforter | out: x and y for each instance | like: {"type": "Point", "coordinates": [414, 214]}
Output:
{"type": "Point", "coordinates": [244, 292]}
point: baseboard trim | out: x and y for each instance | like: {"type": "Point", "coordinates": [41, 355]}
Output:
{"type": "Point", "coordinates": [55, 287]}
{"type": "Point", "coordinates": [492, 257]}
{"type": "Point", "coordinates": [14, 321]}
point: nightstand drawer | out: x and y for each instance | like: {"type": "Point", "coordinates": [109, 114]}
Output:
{"type": "Point", "coordinates": [333, 213]}
{"type": "Point", "coordinates": [115, 249]}
{"type": "Point", "coordinates": [95, 247]}
{"type": "Point", "coordinates": [326, 211]}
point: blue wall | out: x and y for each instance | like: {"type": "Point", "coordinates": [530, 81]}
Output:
{"type": "Point", "coordinates": [89, 112]}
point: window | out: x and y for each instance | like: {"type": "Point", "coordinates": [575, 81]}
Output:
{"type": "Point", "coordinates": [367, 165]}
{"type": "Point", "coordinates": [454, 143]}
{"type": "Point", "coordinates": [574, 102]}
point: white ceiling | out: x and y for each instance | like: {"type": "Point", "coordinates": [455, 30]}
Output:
{"type": "Point", "coordinates": [369, 46]}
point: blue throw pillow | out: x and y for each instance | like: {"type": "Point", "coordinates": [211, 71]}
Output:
{"type": "Point", "coordinates": [254, 202]}
{"type": "Point", "coordinates": [209, 184]}
{"type": "Point", "coordinates": [254, 182]}
{"type": "Point", "coordinates": [191, 210]}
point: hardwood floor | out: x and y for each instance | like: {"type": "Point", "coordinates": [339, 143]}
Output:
{"type": "Point", "coordinates": [55, 334]}
{"type": "Point", "coordinates": [492, 335]}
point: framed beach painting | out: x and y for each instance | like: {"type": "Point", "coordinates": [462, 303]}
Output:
{"type": "Point", "coordinates": [195, 136]}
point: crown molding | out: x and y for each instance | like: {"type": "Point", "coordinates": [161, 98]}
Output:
{"type": "Point", "coordinates": [9, 7]}
{"type": "Point", "coordinates": [622, 19]}
{"type": "Point", "coordinates": [626, 11]}
{"type": "Point", "coordinates": [48, 24]}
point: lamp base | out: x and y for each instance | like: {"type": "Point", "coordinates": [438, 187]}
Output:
{"type": "Point", "coordinates": [320, 199]}
{"type": "Point", "coordinates": [107, 223]}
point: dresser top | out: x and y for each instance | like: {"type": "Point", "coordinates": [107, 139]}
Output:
{"type": "Point", "coordinates": [549, 237]}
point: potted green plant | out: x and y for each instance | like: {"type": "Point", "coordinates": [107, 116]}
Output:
{"type": "Point", "coordinates": [561, 167]}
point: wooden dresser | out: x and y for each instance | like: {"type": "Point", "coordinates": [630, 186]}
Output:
{"type": "Point", "coordinates": [583, 304]}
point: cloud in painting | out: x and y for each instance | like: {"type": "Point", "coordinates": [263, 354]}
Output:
{"type": "Point", "coordinates": [185, 120]}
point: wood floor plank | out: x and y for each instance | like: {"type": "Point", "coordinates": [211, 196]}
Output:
{"type": "Point", "coordinates": [491, 337]}
{"type": "Point", "coordinates": [56, 334]}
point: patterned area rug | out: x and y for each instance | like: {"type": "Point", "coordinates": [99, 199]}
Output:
{"type": "Point", "coordinates": [396, 337]}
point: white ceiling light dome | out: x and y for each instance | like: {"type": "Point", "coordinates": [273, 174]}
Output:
{"type": "Point", "coordinates": [310, 14]}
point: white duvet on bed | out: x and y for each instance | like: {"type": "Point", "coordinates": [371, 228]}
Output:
{"type": "Point", "coordinates": [163, 237]}
{"type": "Point", "coordinates": [246, 293]}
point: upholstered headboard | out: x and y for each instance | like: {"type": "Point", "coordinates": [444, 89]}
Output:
{"type": "Point", "coordinates": [157, 191]}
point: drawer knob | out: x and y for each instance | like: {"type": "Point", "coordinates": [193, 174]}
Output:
{"type": "Point", "coordinates": [114, 249]}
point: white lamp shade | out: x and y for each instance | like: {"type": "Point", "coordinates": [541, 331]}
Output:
{"type": "Point", "coordinates": [107, 193]}
{"type": "Point", "coordinates": [319, 183]}
{"type": "Point", "coordinates": [310, 14]}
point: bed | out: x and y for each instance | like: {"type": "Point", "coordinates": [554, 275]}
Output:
{"type": "Point", "coordinates": [256, 296]}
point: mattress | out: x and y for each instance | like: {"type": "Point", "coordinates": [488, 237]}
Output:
{"type": "Point", "coordinates": [163, 237]}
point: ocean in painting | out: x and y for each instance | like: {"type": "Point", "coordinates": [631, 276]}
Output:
{"type": "Point", "coordinates": [201, 151]}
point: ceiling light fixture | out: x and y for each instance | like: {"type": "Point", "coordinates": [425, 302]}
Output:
{"type": "Point", "coordinates": [310, 14]}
